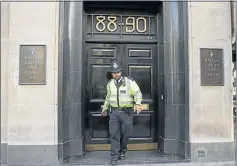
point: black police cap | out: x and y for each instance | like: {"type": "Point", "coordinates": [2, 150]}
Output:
{"type": "Point", "coordinates": [115, 67]}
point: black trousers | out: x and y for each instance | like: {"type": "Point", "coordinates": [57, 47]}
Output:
{"type": "Point", "coordinates": [120, 129]}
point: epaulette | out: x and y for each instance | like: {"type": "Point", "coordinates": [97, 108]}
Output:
{"type": "Point", "coordinates": [130, 78]}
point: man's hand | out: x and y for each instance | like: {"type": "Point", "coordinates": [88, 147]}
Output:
{"type": "Point", "coordinates": [137, 108]}
{"type": "Point", "coordinates": [103, 113]}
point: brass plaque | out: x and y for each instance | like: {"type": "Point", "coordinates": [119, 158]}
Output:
{"type": "Point", "coordinates": [212, 67]}
{"type": "Point", "coordinates": [32, 67]}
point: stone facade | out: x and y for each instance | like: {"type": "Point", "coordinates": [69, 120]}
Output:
{"type": "Point", "coordinates": [210, 107]}
{"type": "Point", "coordinates": [29, 113]}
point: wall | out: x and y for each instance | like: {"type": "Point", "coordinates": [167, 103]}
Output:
{"type": "Point", "coordinates": [211, 116]}
{"type": "Point", "coordinates": [4, 76]}
{"type": "Point", "coordinates": [29, 112]}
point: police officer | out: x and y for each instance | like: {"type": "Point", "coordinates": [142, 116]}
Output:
{"type": "Point", "coordinates": [123, 98]}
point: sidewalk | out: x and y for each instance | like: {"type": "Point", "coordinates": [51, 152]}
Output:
{"type": "Point", "coordinates": [178, 164]}
{"type": "Point", "coordinates": [160, 164]}
{"type": "Point", "coordinates": [186, 164]}
{"type": "Point", "coordinates": [173, 164]}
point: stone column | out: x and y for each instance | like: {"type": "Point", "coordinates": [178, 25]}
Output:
{"type": "Point", "coordinates": [29, 109]}
{"type": "Point", "coordinates": [5, 15]}
{"type": "Point", "coordinates": [173, 81]}
{"type": "Point", "coordinates": [70, 78]}
{"type": "Point", "coordinates": [211, 113]}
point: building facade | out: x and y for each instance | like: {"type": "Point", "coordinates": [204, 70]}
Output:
{"type": "Point", "coordinates": [54, 61]}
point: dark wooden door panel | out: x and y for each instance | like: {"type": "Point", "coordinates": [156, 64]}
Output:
{"type": "Point", "coordinates": [100, 56]}
{"type": "Point", "coordinates": [138, 62]}
{"type": "Point", "coordinates": [142, 73]}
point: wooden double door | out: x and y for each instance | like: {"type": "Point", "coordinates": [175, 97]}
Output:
{"type": "Point", "coordinates": [138, 61]}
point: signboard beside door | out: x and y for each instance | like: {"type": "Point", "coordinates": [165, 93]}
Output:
{"type": "Point", "coordinates": [32, 66]}
{"type": "Point", "coordinates": [212, 67]}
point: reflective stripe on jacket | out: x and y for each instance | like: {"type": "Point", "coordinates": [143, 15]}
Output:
{"type": "Point", "coordinates": [127, 94]}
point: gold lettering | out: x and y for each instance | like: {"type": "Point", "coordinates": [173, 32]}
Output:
{"type": "Point", "coordinates": [32, 77]}
{"type": "Point", "coordinates": [112, 20]}
{"type": "Point", "coordinates": [32, 62]}
{"type": "Point", "coordinates": [32, 72]}
{"type": "Point", "coordinates": [144, 23]}
{"type": "Point", "coordinates": [130, 24]}
{"type": "Point", "coordinates": [100, 20]}
{"type": "Point", "coordinates": [32, 67]}
{"type": "Point", "coordinates": [32, 57]}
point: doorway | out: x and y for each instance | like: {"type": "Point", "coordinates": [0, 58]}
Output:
{"type": "Point", "coordinates": [138, 61]}
{"type": "Point", "coordinates": [78, 30]}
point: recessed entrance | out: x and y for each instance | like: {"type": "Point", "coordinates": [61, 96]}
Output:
{"type": "Point", "coordinates": [140, 62]}
{"type": "Point", "coordinates": [148, 39]}
{"type": "Point", "coordinates": [129, 36]}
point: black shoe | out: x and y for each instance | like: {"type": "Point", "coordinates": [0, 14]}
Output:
{"type": "Point", "coordinates": [122, 157]}
{"type": "Point", "coordinates": [114, 162]}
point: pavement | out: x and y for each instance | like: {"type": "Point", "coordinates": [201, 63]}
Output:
{"type": "Point", "coordinates": [159, 164]}
{"type": "Point", "coordinates": [184, 164]}
{"type": "Point", "coordinates": [179, 164]}
{"type": "Point", "coordinates": [135, 158]}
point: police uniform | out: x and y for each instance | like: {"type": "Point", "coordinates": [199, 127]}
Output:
{"type": "Point", "coordinates": [121, 96]}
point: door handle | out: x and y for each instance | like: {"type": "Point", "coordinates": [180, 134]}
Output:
{"type": "Point", "coordinates": [161, 96]}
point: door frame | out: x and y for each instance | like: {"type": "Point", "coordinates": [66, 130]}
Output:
{"type": "Point", "coordinates": [133, 146]}
{"type": "Point", "coordinates": [70, 48]}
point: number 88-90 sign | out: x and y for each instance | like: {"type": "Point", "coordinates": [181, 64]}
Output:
{"type": "Point", "coordinates": [110, 23]}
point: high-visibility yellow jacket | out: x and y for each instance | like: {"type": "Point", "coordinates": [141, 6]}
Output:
{"type": "Point", "coordinates": [124, 96]}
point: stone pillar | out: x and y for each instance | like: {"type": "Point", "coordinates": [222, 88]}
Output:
{"type": "Point", "coordinates": [70, 78]}
{"type": "Point", "coordinates": [29, 111]}
{"type": "Point", "coordinates": [5, 11]}
{"type": "Point", "coordinates": [211, 113]}
{"type": "Point", "coordinates": [174, 81]}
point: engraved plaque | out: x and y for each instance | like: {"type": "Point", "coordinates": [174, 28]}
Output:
{"type": "Point", "coordinates": [212, 67]}
{"type": "Point", "coordinates": [32, 67]}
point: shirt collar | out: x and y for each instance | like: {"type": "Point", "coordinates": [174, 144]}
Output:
{"type": "Point", "coordinates": [119, 80]}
